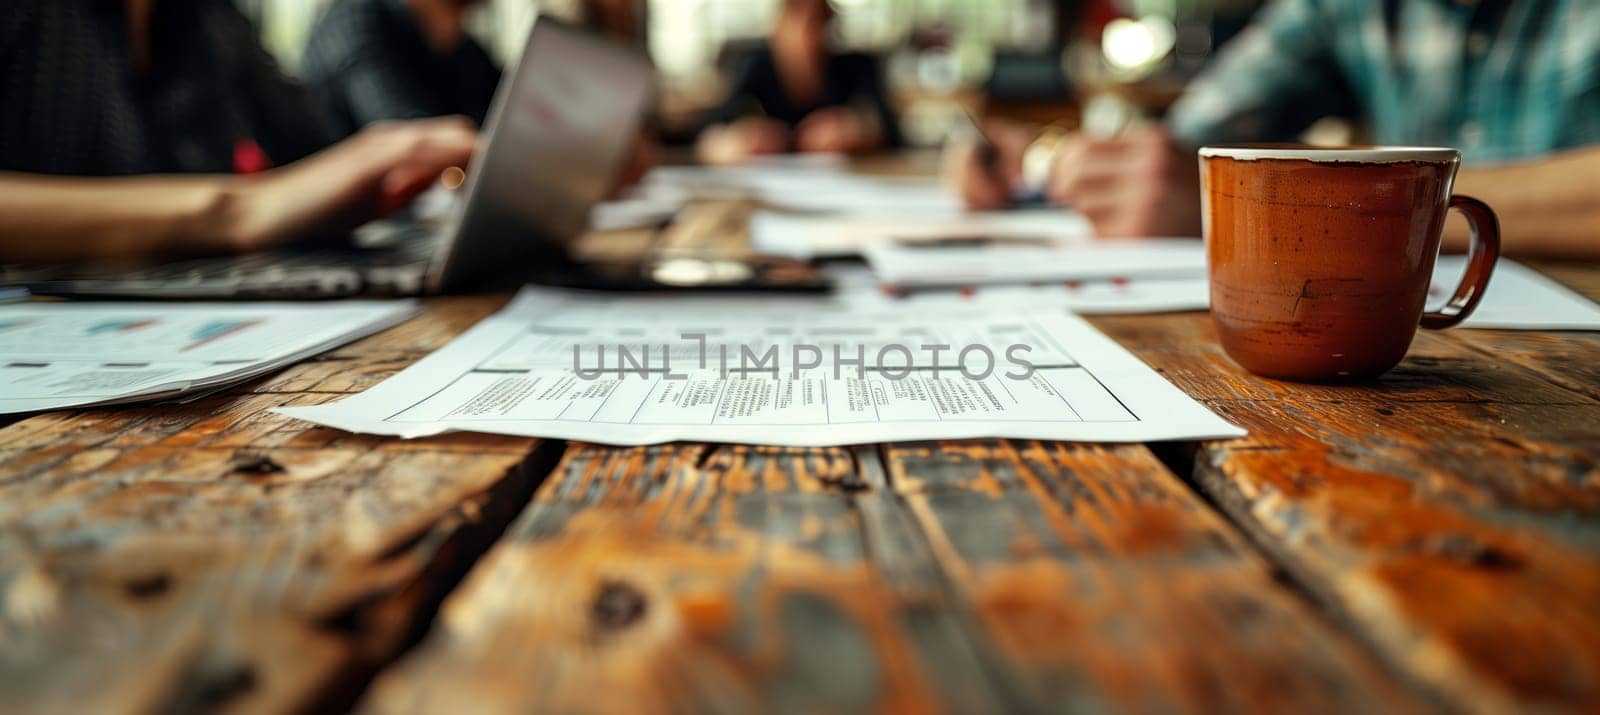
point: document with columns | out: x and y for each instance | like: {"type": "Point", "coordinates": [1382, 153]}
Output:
{"type": "Point", "coordinates": [798, 371]}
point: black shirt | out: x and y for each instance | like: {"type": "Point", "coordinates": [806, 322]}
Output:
{"type": "Point", "coordinates": [850, 79]}
{"type": "Point", "coordinates": [369, 61]}
{"type": "Point", "coordinates": [73, 103]}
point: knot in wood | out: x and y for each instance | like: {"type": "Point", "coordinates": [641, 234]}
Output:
{"type": "Point", "coordinates": [848, 482]}
{"type": "Point", "coordinates": [1465, 549]}
{"type": "Point", "coordinates": [617, 605]}
{"type": "Point", "coordinates": [252, 463]}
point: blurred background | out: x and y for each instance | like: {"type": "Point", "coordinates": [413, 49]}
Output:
{"type": "Point", "coordinates": [1098, 63]}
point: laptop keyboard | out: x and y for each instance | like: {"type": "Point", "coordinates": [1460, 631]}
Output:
{"type": "Point", "coordinates": [396, 268]}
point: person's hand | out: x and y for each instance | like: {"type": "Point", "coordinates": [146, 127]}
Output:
{"type": "Point", "coordinates": [365, 177]}
{"type": "Point", "coordinates": [836, 130]}
{"type": "Point", "coordinates": [741, 140]}
{"type": "Point", "coordinates": [1137, 185]}
{"type": "Point", "coordinates": [984, 178]}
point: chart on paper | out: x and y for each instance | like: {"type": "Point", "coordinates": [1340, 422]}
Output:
{"type": "Point", "coordinates": [125, 332]}
{"type": "Point", "coordinates": [794, 372]}
{"type": "Point", "coordinates": [55, 355]}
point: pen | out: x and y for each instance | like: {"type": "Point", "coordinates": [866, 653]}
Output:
{"type": "Point", "coordinates": [988, 151]}
{"type": "Point", "coordinates": [972, 241]}
{"type": "Point", "coordinates": [989, 158]}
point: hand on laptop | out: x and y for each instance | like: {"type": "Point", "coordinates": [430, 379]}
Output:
{"type": "Point", "coordinates": [69, 218]}
{"type": "Point", "coordinates": [365, 177]}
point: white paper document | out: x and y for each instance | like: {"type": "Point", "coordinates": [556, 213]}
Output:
{"type": "Point", "coordinates": [805, 237]}
{"type": "Point", "coordinates": [1519, 298]}
{"type": "Point", "coordinates": [908, 265]}
{"type": "Point", "coordinates": [870, 197]}
{"type": "Point", "coordinates": [1087, 297]}
{"type": "Point", "coordinates": [1119, 296]}
{"type": "Point", "coordinates": [57, 355]}
{"type": "Point", "coordinates": [636, 211]}
{"type": "Point", "coordinates": [787, 371]}
{"type": "Point", "coordinates": [811, 187]}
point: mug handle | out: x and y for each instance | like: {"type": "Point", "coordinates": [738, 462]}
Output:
{"type": "Point", "coordinates": [1485, 250]}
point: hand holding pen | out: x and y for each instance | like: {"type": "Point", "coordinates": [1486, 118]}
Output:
{"type": "Point", "coordinates": [983, 164]}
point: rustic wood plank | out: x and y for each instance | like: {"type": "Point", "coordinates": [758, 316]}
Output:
{"type": "Point", "coordinates": [216, 555]}
{"type": "Point", "coordinates": [207, 555]}
{"type": "Point", "coordinates": [1438, 368]}
{"type": "Point", "coordinates": [1107, 584]}
{"type": "Point", "coordinates": [1565, 359]}
{"type": "Point", "coordinates": [337, 374]}
{"type": "Point", "coordinates": [691, 578]}
{"type": "Point", "coordinates": [1446, 510]}
{"type": "Point", "coordinates": [446, 318]}
{"type": "Point", "coordinates": [967, 577]}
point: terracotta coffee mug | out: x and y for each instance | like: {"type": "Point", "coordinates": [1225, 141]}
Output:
{"type": "Point", "coordinates": [1320, 259]}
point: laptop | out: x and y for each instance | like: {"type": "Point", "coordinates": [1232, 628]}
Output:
{"type": "Point", "coordinates": [557, 132]}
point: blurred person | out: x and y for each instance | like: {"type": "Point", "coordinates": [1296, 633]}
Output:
{"type": "Point", "coordinates": [620, 20]}
{"type": "Point", "coordinates": [378, 60]}
{"type": "Point", "coordinates": [1514, 85]}
{"type": "Point", "coordinates": [374, 60]}
{"type": "Point", "coordinates": [796, 95]}
{"type": "Point", "coordinates": [623, 22]}
{"type": "Point", "coordinates": [152, 126]}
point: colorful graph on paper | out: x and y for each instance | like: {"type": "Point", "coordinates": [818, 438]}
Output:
{"type": "Point", "coordinates": [120, 325]}
{"type": "Point", "coordinates": [218, 329]}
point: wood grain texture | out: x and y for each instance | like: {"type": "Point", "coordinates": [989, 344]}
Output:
{"type": "Point", "coordinates": [1446, 511]}
{"type": "Point", "coordinates": [1427, 541]}
{"type": "Point", "coordinates": [213, 555]}
{"type": "Point", "coordinates": [688, 578]}
{"type": "Point", "coordinates": [1107, 583]}
{"type": "Point", "coordinates": [957, 577]}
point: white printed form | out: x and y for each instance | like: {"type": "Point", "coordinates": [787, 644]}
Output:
{"type": "Point", "coordinates": [800, 372]}
{"type": "Point", "coordinates": [56, 355]}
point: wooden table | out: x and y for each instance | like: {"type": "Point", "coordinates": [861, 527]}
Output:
{"type": "Point", "coordinates": [1427, 542]}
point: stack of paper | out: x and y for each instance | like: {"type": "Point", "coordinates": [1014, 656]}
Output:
{"type": "Point", "coordinates": [639, 210]}
{"type": "Point", "coordinates": [1518, 298]}
{"type": "Point", "coordinates": [55, 355]}
{"type": "Point", "coordinates": [980, 248]}
{"type": "Point", "coordinates": [822, 188]}
{"type": "Point", "coordinates": [908, 265]}
{"type": "Point", "coordinates": [915, 236]}
{"type": "Point", "coordinates": [806, 237]}
{"type": "Point", "coordinates": [788, 371]}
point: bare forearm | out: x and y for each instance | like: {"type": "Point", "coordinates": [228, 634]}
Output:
{"type": "Point", "coordinates": [45, 218]}
{"type": "Point", "coordinates": [1547, 208]}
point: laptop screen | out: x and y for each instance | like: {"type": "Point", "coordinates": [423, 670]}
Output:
{"type": "Point", "coordinates": [555, 139]}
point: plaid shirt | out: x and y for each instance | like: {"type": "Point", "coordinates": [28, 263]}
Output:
{"type": "Point", "coordinates": [1501, 80]}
